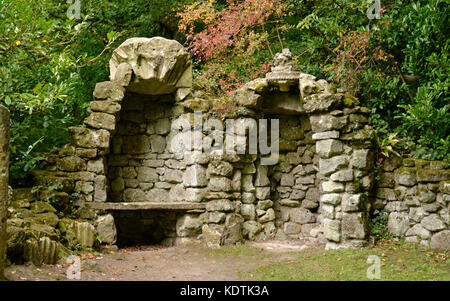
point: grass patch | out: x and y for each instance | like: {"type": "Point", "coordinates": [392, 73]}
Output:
{"type": "Point", "coordinates": [399, 261]}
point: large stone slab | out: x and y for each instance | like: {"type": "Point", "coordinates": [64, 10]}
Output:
{"type": "Point", "coordinates": [160, 66]}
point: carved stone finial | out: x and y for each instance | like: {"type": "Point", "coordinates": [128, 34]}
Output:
{"type": "Point", "coordinates": [283, 61]}
{"type": "Point", "coordinates": [282, 74]}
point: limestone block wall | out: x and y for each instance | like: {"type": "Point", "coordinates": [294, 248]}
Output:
{"type": "Point", "coordinates": [416, 196]}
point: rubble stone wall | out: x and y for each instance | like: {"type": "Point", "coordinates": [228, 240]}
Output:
{"type": "Point", "coordinates": [416, 196]}
{"type": "Point", "coordinates": [133, 147]}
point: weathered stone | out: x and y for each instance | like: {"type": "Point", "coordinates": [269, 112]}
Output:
{"type": "Point", "coordinates": [386, 194]}
{"type": "Point", "coordinates": [106, 229]}
{"type": "Point", "coordinates": [424, 195]}
{"type": "Point", "coordinates": [97, 166]}
{"type": "Point", "coordinates": [396, 206]}
{"type": "Point", "coordinates": [297, 194]}
{"type": "Point", "coordinates": [195, 194]}
{"type": "Point", "coordinates": [352, 202]}
{"type": "Point", "coordinates": [433, 223]}
{"type": "Point", "coordinates": [327, 211]}
{"type": "Point", "coordinates": [109, 90]}
{"type": "Point", "coordinates": [173, 176]}
{"type": "Point", "coordinates": [268, 216]}
{"type": "Point", "coordinates": [42, 251]}
{"type": "Point", "coordinates": [386, 180]}
{"type": "Point", "coordinates": [258, 85]}
{"type": "Point", "coordinates": [134, 195]}
{"type": "Point", "coordinates": [329, 148]}
{"type": "Point", "coordinates": [264, 205]}
{"type": "Point", "coordinates": [332, 230]}
{"type": "Point", "coordinates": [323, 123]}
{"type": "Point", "coordinates": [287, 179]}
{"type": "Point", "coordinates": [147, 174]}
{"type": "Point", "coordinates": [248, 211]}
{"type": "Point", "coordinates": [158, 143]}
{"type": "Point", "coordinates": [247, 98]}
{"type": "Point", "coordinates": [406, 176]}
{"type": "Point", "coordinates": [329, 166]}
{"type": "Point", "coordinates": [332, 198]}
{"type": "Point", "coordinates": [326, 135]}
{"type": "Point", "coordinates": [157, 195]}
{"type": "Point", "coordinates": [177, 193]}
{"type": "Point", "coordinates": [432, 175]}
{"type": "Point", "coordinates": [441, 241]}
{"type": "Point", "coordinates": [261, 178]}
{"type": "Point", "coordinates": [321, 102]}
{"type": "Point", "coordinates": [250, 229]}
{"type": "Point", "coordinates": [361, 159]}
{"type": "Point", "coordinates": [105, 106]}
{"type": "Point", "coordinates": [353, 226]}
{"type": "Point", "coordinates": [398, 223]}
{"type": "Point", "coordinates": [433, 207]}
{"type": "Point", "coordinates": [220, 168]}
{"type": "Point", "coordinates": [232, 233]}
{"type": "Point", "coordinates": [309, 204]}
{"type": "Point", "coordinates": [342, 176]}
{"type": "Point", "coordinates": [301, 216]}
{"type": "Point", "coordinates": [236, 180]}
{"type": "Point", "coordinates": [331, 187]}
{"type": "Point", "coordinates": [248, 198]}
{"type": "Point", "coordinates": [160, 66]}
{"type": "Point", "coordinates": [195, 176]}
{"type": "Point", "coordinates": [416, 214]}
{"type": "Point", "coordinates": [444, 187]}
{"type": "Point", "coordinates": [262, 193]}
{"type": "Point", "coordinates": [85, 234]}
{"type": "Point", "coordinates": [247, 183]}
{"type": "Point", "coordinates": [211, 237]}
{"type": "Point", "coordinates": [123, 74]}
{"type": "Point", "coordinates": [292, 228]}
{"type": "Point", "coordinates": [71, 163]}
{"type": "Point", "coordinates": [189, 225]}
{"type": "Point", "coordinates": [360, 135]}
{"type": "Point", "coordinates": [220, 205]}
{"type": "Point", "coordinates": [139, 144]}
{"type": "Point", "coordinates": [42, 207]}
{"type": "Point", "coordinates": [99, 120]}
{"type": "Point", "coordinates": [418, 230]}
{"type": "Point", "coordinates": [219, 184]}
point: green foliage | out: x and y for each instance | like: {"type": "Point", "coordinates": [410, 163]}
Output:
{"type": "Point", "coordinates": [378, 226]}
{"type": "Point", "coordinates": [49, 64]}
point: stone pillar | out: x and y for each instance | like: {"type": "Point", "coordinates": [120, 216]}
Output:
{"type": "Point", "coordinates": [4, 173]}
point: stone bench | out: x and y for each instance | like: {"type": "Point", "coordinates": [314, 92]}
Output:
{"type": "Point", "coordinates": [147, 206]}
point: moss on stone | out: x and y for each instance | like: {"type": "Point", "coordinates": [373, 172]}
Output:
{"type": "Point", "coordinates": [432, 175]}
{"type": "Point", "coordinates": [405, 170]}
{"type": "Point", "coordinates": [350, 101]}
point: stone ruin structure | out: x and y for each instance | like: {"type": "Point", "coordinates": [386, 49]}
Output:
{"type": "Point", "coordinates": [138, 175]}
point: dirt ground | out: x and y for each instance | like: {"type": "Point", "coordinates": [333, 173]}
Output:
{"type": "Point", "coordinates": [187, 263]}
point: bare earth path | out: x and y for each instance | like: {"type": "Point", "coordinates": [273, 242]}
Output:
{"type": "Point", "coordinates": [167, 263]}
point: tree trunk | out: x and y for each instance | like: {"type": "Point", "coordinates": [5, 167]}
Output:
{"type": "Point", "coordinates": [4, 174]}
